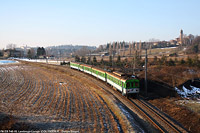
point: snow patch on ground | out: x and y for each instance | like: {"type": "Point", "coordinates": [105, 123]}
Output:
{"type": "Point", "coordinates": [184, 102]}
{"type": "Point", "coordinates": [2, 62]}
{"type": "Point", "coordinates": [131, 119]}
{"type": "Point", "coordinates": [56, 62]}
{"type": "Point", "coordinates": [186, 93]}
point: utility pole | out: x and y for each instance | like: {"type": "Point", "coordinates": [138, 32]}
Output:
{"type": "Point", "coordinates": [146, 72]}
{"type": "Point", "coordinates": [130, 49]}
{"type": "Point", "coordinates": [60, 55]}
{"type": "Point", "coordinates": [46, 57]}
{"type": "Point", "coordinates": [112, 60]}
{"type": "Point", "coordinates": [135, 59]}
{"type": "Point", "coordinates": [113, 54]}
{"type": "Point", "coordinates": [90, 58]}
{"type": "Point", "coordinates": [123, 48]}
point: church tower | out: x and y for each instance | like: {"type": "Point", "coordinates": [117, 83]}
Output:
{"type": "Point", "coordinates": [181, 37]}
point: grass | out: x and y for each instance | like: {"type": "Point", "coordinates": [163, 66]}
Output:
{"type": "Point", "coordinates": [194, 107]}
{"type": "Point", "coordinates": [190, 104]}
{"type": "Point", "coordinates": [172, 75]}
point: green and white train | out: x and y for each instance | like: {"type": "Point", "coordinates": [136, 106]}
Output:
{"type": "Point", "coordinates": [125, 85]}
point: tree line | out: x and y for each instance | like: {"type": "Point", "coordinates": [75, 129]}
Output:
{"type": "Point", "coordinates": [190, 62]}
{"type": "Point", "coordinates": [40, 52]}
{"type": "Point", "coordinates": [163, 61]}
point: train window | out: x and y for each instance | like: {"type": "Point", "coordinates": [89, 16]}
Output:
{"type": "Point", "coordinates": [132, 84]}
{"type": "Point", "coordinates": [127, 85]}
{"type": "Point", "coordinates": [136, 84]}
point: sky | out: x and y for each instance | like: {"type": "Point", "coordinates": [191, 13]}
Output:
{"type": "Point", "coordinates": [95, 22]}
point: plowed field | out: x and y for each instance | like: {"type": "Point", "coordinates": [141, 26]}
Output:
{"type": "Point", "coordinates": [38, 98]}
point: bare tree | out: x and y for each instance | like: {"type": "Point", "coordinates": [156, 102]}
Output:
{"type": "Point", "coordinates": [100, 48]}
{"type": "Point", "coordinates": [110, 49]}
{"type": "Point", "coordinates": [117, 48]}
{"type": "Point", "coordinates": [191, 38]}
{"type": "Point", "coordinates": [130, 48]}
{"type": "Point", "coordinates": [11, 46]}
{"type": "Point", "coordinates": [123, 48]}
{"type": "Point", "coordinates": [31, 53]}
{"type": "Point", "coordinates": [83, 51]}
{"type": "Point", "coordinates": [152, 40]}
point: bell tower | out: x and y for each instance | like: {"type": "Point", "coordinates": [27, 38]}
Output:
{"type": "Point", "coordinates": [181, 37]}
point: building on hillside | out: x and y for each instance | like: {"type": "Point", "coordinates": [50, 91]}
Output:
{"type": "Point", "coordinates": [173, 42]}
{"type": "Point", "coordinates": [42, 57]}
{"type": "Point", "coordinates": [104, 54]}
{"type": "Point", "coordinates": [12, 53]}
{"type": "Point", "coordinates": [25, 49]}
{"type": "Point", "coordinates": [51, 57]}
{"type": "Point", "coordinates": [1, 52]}
{"type": "Point", "coordinates": [181, 39]}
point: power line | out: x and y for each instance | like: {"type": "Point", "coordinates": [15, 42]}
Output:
{"type": "Point", "coordinates": [146, 72]}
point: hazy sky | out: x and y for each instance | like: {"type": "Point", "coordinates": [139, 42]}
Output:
{"type": "Point", "coordinates": [95, 22]}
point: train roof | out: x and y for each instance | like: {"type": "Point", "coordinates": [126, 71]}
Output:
{"type": "Point", "coordinates": [123, 77]}
{"type": "Point", "coordinates": [95, 68]}
{"type": "Point", "coordinates": [86, 65]}
{"type": "Point", "coordinates": [116, 76]}
{"type": "Point", "coordinates": [75, 62]}
{"type": "Point", "coordinates": [98, 69]}
{"type": "Point", "coordinates": [119, 73]}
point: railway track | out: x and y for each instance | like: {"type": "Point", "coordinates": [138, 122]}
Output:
{"type": "Point", "coordinates": [158, 119]}
{"type": "Point", "coordinates": [155, 117]}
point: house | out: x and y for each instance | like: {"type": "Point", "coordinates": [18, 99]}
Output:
{"type": "Point", "coordinates": [12, 53]}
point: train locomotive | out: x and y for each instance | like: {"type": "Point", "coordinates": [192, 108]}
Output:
{"type": "Point", "coordinates": [125, 85]}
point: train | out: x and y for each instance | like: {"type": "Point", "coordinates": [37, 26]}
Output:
{"type": "Point", "coordinates": [126, 85]}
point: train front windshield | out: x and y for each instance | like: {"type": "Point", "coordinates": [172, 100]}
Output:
{"type": "Point", "coordinates": [132, 84]}
{"type": "Point", "coordinates": [128, 85]}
